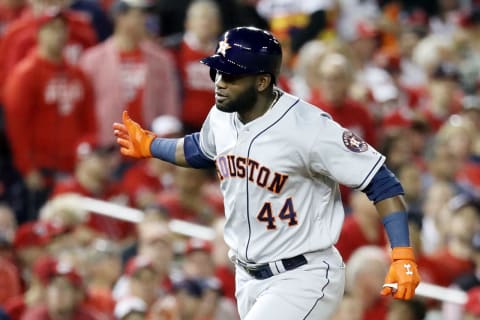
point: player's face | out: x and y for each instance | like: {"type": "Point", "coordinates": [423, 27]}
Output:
{"type": "Point", "coordinates": [235, 93]}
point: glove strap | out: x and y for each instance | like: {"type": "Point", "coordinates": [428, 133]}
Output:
{"type": "Point", "coordinates": [403, 253]}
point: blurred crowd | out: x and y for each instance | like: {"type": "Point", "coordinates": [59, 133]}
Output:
{"type": "Point", "coordinates": [404, 75]}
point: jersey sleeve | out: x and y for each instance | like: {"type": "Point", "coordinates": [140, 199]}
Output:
{"type": "Point", "coordinates": [207, 138]}
{"type": "Point", "coordinates": [343, 156]}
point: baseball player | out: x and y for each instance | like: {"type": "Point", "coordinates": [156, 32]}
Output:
{"type": "Point", "coordinates": [280, 161]}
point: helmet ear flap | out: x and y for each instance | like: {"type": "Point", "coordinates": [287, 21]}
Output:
{"type": "Point", "coordinates": [213, 74]}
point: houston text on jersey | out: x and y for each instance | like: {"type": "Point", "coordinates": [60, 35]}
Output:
{"type": "Point", "coordinates": [231, 166]}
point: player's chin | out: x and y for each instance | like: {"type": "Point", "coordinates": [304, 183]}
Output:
{"type": "Point", "coordinates": [223, 106]}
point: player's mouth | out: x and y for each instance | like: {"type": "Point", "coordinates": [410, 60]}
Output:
{"type": "Point", "coordinates": [219, 98]}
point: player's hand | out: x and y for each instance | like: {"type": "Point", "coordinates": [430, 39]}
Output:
{"type": "Point", "coordinates": [403, 274]}
{"type": "Point", "coordinates": [134, 141]}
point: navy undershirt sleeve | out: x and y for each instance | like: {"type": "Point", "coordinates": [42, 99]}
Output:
{"type": "Point", "coordinates": [193, 153]}
{"type": "Point", "coordinates": [383, 185]}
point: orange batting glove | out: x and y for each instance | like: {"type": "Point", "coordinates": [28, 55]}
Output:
{"type": "Point", "coordinates": [134, 141]}
{"type": "Point", "coordinates": [403, 274]}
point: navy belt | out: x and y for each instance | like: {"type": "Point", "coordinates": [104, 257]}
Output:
{"type": "Point", "coordinates": [263, 271]}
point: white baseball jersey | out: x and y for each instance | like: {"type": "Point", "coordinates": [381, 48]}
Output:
{"type": "Point", "coordinates": [279, 177]}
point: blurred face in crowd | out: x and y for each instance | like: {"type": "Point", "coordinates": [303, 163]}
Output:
{"type": "Point", "coordinates": [334, 78]}
{"type": "Point", "coordinates": [95, 166]}
{"type": "Point", "coordinates": [106, 267]}
{"type": "Point", "coordinates": [198, 264]}
{"type": "Point", "coordinates": [62, 298]}
{"type": "Point", "coordinates": [463, 224]}
{"type": "Point", "coordinates": [52, 37]}
{"type": "Point", "coordinates": [458, 135]}
{"type": "Point", "coordinates": [399, 152]}
{"type": "Point", "coordinates": [29, 255]}
{"type": "Point", "coordinates": [410, 178]}
{"type": "Point", "coordinates": [444, 164]}
{"type": "Point", "coordinates": [8, 224]}
{"type": "Point", "coordinates": [155, 242]}
{"type": "Point", "coordinates": [203, 20]}
{"type": "Point", "coordinates": [132, 23]}
{"type": "Point", "coordinates": [408, 41]}
{"type": "Point", "coordinates": [441, 92]}
{"type": "Point", "coordinates": [189, 180]}
{"type": "Point", "coordinates": [364, 48]}
{"type": "Point", "coordinates": [436, 197]}
{"type": "Point", "coordinates": [144, 284]}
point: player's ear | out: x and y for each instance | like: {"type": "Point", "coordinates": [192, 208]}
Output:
{"type": "Point", "coordinates": [263, 81]}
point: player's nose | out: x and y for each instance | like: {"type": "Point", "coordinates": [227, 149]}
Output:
{"type": "Point", "coordinates": [219, 80]}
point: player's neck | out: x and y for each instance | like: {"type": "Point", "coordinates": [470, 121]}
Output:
{"type": "Point", "coordinates": [263, 105]}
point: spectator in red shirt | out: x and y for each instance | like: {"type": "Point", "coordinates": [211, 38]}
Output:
{"type": "Point", "coordinates": [362, 227]}
{"type": "Point", "coordinates": [335, 77]}
{"type": "Point", "coordinates": [202, 27]}
{"type": "Point", "coordinates": [48, 106]}
{"type": "Point", "coordinates": [64, 295]}
{"type": "Point", "coordinates": [92, 178]}
{"type": "Point", "coordinates": [130, 72]}
{"type": "Point", "coordinates": [21, 36]}
{"type": "Point", "coordinates": [191, 199]}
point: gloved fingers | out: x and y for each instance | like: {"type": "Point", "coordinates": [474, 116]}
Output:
{"type": "Point", "coordinates": [400, 294]}
{"type": "Point", "coordinates": [409, 292]}
{"type": "Point", "coordinates": [127, 152]}
{"type": "Point", "coordinates": [120, 127]}
{"type": "Point", "coordinates": [121, 134]}
{"type": "Point", "coordinates": [124, 143]}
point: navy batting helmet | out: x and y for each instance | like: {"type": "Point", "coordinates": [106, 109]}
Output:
{"type": "Point", "coordinates": [246, 50]}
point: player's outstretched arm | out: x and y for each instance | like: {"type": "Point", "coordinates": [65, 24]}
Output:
{"type": "Point", "coordinates": [137, 142]}
{"type": "Point", "coordinates": [386, 192]}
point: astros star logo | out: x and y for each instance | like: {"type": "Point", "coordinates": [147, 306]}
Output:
{"type": "Point", "coordinates": [223, 46]}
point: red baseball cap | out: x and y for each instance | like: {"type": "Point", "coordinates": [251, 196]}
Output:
{"type": "Point", "coordinates": [195, 244]}
{"type": "Point", "coordinates": [31, 234]}
{"type": "Point", "coordinates": [472, 306]}
{"type": "Point", "coordinates": [137, 263]}
{"type": "Point", "coordinates": [49, 268]}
